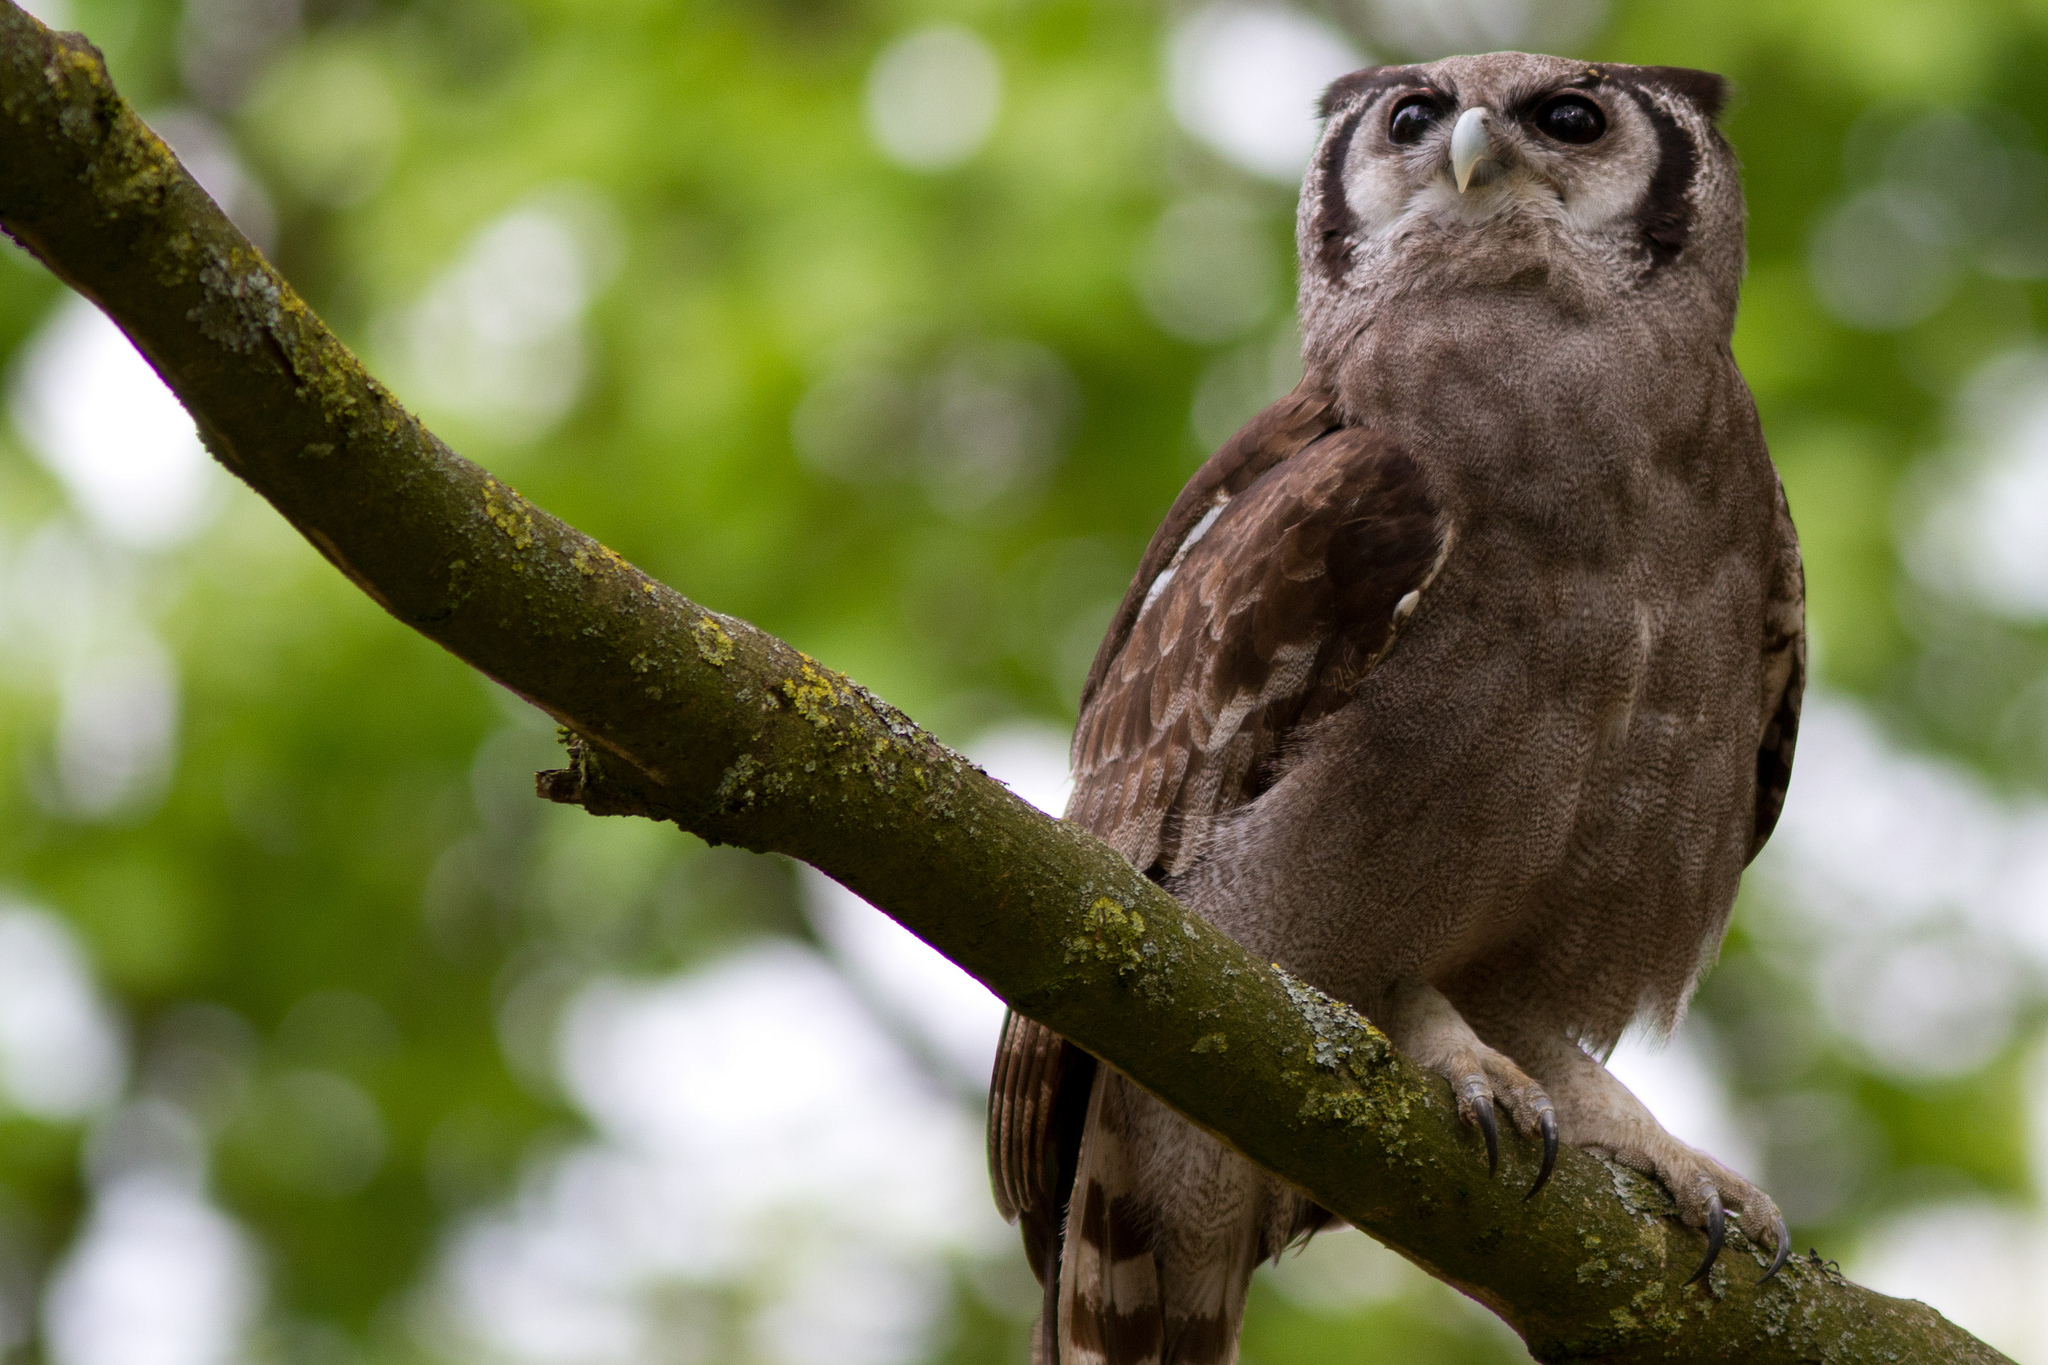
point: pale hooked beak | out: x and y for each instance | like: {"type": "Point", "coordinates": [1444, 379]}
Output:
{"type": "Point", "coordinates": [1470, 144]}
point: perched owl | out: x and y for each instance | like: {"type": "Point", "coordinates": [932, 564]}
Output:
{"type": "Point", "coordinates": [1462, 682]}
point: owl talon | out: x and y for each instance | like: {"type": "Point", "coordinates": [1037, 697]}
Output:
{"type": "Point", "coordinates": [1478, 1096]}
{"type": "Point", "coordinates": [1717, 1228]}
{"type": "Point", "coordinates": [1784, 1248]}
{"type": "Point", "coordinates": [1546, 1119]}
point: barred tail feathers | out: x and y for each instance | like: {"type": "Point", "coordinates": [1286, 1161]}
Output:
{"type": "Point", "coordinates": [1163, 1232]}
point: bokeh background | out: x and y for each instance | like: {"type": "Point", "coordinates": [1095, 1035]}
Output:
{"type": "Point", "coordinates": [894, 327]}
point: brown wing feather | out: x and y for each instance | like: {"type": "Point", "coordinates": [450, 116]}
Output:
{"type": "Point", "coordinates": [1280, 430]}
{"type": "Point", "coordinates": [1269, 620]}
{"type": "Point", "coordinates": [1784, 678]}
{"type": "Point", "coordinates": [1038, 1097]}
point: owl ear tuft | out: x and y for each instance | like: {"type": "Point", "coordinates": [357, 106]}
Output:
{"type": "Point", "coordinates": [1365, 82]}
{"type": "Point", "coordinates": [1707, 90]}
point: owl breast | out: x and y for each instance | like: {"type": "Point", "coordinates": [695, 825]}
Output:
{"type": "Point", "coordinates": [1568, 724]}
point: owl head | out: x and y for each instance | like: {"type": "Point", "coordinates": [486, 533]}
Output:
{"type": "Point", "coordinates": [1573, 185]}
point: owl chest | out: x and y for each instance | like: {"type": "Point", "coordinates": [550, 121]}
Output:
{"type": "Point", "coordinates": [1610, 676]}
{"type": "Point", "coordinates": [1623, 637]}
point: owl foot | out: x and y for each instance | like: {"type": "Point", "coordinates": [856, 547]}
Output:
{"type": "Point", "coordinates": [1601, 1115]}
{"type": "Point", "coordinates": [1425, 1026]}
{"type": "Point", "coordinates": [1714, 1189]}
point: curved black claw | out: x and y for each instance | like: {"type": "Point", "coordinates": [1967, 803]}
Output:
{"type": "Point", "coordinates": [1546, 1119]}
{"type": "Point", "coordinates": [1717, 1228]}
{"type": "Point", "coordinates": [1481, 1099]}
{"type": "Point", "coordinates": [1784, 1249]}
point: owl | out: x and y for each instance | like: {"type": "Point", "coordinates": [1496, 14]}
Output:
{"type": "Point", "coordinates": [1462, 682]}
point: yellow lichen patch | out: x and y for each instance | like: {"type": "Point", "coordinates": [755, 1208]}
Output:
{"type": "Point", "coordinates": [1336, 1104]}
{"type": "Point", "coordinates": [589, 558]}
{"type": "Point", "coordinates": [508, 512]}
{"type": "Point", "coordinates": [1211, 1042]}
{"type": "Point", "coordinates": [1111, 933]}
{"type": "Point", "coordinates": [712, 641]}
{"type": "Point", "coordinates": [812, 694]}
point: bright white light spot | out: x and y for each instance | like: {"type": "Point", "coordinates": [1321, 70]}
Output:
{"type": "Point", "coordinates": [54, 13]}
{"type": "Point", "coordinates": [331, 119]}
{"type": "Point", "coordinates": [61, 1051]}
{"type": "Point", "coordinates": [95, 413]}
{"type": "Point", "coordinates": [1245, 79]}
{"type": "Point", "coordinates": [846, 1308]}
{"type": "Point", "coordinates": [2037, 1114]}
{"type": "Point", "coordinates": [932, 97]}
{"type": "Point", "coordinates": [117, 729]}
{"type": "Point", "coordinates": [159, 1277]}
{"type": "Point", "coordinates": [771, 1168]}
{"type": "Point", "coordinates": [1030, 758]}
{"type": "Point", "coordinates": [1678, 1084]}
{"type": "Point", "coordinates": [498, 340]}
{"type": "Point", "coordinates": [1209, 270]}
{"type": "Point", "coordinates": [750, 1072]}
{"type": "Point", "coordinates": [1341, 1271]}
{"type": "Point", "coordinates": [1981, 1266]}
{"type": "Point", "coordinates": [1935, 1004]}
{"type": "Point", "coordinates": [954, 1015]}
{"type": "Point", "coordinates": [1912, 895]}
{"type": "Point", "coordinates": [1987, 534]}
{"type": "Point", "coordinates": [204, 150]}
{"type": "Point", "coordinates": [1424, 30]}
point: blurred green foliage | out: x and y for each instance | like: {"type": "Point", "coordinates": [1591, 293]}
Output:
{"type": "Point", "coordinates": [345, 874]}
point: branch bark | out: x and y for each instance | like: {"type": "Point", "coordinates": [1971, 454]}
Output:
{"type": "Point", "coordinates": [679, 713]}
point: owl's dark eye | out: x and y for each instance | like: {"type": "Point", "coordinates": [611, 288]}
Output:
{"type": "Point", "coordinates": [1571, 118]}
{"type": "Point", "coordinates": [1411, 119]}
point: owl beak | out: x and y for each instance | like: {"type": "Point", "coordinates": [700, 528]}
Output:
{"type": "Point", "coordinates": [1471, 144]}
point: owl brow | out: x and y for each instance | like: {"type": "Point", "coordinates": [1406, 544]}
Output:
{"type": "Point", "coordinates": [1666, 213]}
{"type": "Point", "coordinates": [1334, 218]}
{"type": "Point", "coordinates": [1369, 84]}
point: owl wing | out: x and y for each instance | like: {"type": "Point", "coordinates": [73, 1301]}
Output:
{"type": "Point", "coordinates": [1784, 675]}
{"type": "Point", "coordinates": [1275, 583]}
{"type": "Point", "coordinates": [1271, 608]}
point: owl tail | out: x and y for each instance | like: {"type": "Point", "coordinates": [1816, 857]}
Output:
{"type": "Point", "coordinates": [1163, 1231]}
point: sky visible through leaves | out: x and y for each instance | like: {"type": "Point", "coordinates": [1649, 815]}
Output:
{"type": "Point", "coordinates": [894, 327]}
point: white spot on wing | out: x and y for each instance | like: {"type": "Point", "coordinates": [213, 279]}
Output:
{"type": "Point", "coordinates": [1195, 533]}
{"type": "Point", "coordinates": [1158, 586]}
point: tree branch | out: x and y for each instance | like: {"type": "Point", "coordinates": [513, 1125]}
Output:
{"type": "Point", "coordinates": [682, 714]}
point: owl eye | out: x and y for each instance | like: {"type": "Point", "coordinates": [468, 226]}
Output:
{"type": "Point", "coordinates": [1411, 119]}
{"type": "Point", "coordinates": [1571, 118]}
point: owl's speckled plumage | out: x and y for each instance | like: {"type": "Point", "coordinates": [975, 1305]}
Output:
{"type": "Point", "coordinates": [1462, 683]}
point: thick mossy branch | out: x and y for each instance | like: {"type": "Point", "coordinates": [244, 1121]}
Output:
{"type": "Point", "coordinates": [685, 715]}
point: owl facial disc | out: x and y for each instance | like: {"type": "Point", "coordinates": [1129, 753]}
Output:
{"type": "Point", "coordinates": [1471, 143]}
